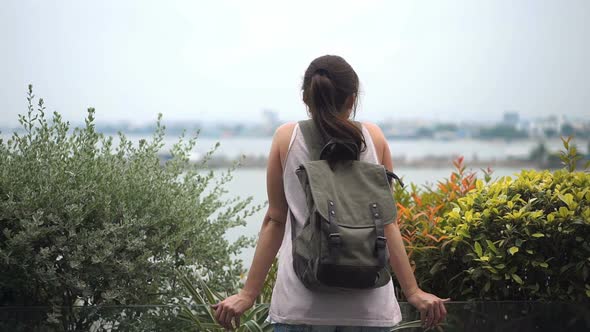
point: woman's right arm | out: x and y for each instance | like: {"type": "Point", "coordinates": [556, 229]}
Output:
{"type": "Point", "coordinates": [269, 239]}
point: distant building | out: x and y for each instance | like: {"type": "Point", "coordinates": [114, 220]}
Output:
{"type": "Point", "coordinates": [549, 126]}
{"type": "Point", "coordinates": [511, 118]}
{"type": "Point", "coordinates": [270, 121]}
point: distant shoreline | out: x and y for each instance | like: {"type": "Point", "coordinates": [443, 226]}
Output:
{"type": "Point", "coordinates": [254, 162]}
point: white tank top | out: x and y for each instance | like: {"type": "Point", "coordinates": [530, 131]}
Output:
{"type": "Point", "coordinates": [291, 302]}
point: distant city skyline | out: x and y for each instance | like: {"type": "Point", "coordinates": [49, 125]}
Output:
{"type": "Point", "coordinates": [228, 61]}
{"type": "Point", "coordinates": [277, 120]}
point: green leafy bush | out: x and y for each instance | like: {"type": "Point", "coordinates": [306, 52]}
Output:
{"type": "Point", "coordinates": [526, 238]}
{"type": "Point", "coordinates": [521, 238]}
{"type": "Point", "coordinates": [83, 222]}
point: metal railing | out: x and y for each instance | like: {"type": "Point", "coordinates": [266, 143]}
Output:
{"type": "Point", "coordinates": [478, 316]}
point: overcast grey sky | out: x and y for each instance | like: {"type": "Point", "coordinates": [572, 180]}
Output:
{"type": "Point", "coordinates": [228, 60]}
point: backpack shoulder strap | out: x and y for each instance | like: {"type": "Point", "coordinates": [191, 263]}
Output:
{"type": "Point", "coordinates": [313, 138]}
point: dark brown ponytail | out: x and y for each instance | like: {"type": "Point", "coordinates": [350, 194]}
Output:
{"type": "Point", "coordinates": [328, 83]}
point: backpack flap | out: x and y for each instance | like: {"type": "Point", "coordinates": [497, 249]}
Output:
{"type": "Point", "coordinates": [353, 187]}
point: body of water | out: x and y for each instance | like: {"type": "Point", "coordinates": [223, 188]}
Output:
{"type": "Point", "coordinates": [491, 150]}
{"type": "Point", "coordinates": [486, 150]}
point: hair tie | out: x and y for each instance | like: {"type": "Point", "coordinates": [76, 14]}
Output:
{"type": "Point", "coordinates": [322, 72]}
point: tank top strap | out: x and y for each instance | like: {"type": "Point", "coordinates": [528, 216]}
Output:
{"type": "Point", "coordinates": [297, 145]}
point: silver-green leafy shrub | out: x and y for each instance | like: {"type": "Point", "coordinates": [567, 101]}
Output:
{"type": "Point", "coordinates": [84, 222]}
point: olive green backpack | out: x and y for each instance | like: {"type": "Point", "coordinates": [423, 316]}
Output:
{"type": "Point", "coordinates": [342, 244]}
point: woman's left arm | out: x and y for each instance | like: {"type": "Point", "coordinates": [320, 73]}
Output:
{"type": "Point", "coordinates": [431, 307]}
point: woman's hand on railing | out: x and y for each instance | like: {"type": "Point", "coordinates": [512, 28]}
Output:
{"type": "Point", "coordinates": [231, 309]}
{"type": "Point", "coordinates": [431, 307]}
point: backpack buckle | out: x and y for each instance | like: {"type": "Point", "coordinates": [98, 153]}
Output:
{"type": "Point", "coordinates": [381, 242]}
{"type": "Point", "coordinates": [335, 239]}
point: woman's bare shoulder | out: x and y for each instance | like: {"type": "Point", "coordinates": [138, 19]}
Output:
{"type": "Point", "coordinates": [285, 128]}
{"type": "Point", "coordinates": [380, 143]}
{"type": "Point", "coordinates": [375, 131]}
{"type": "Point", "coordinates": [282, 137]}
{"type": "Point", "coordinates": [283, 132]}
